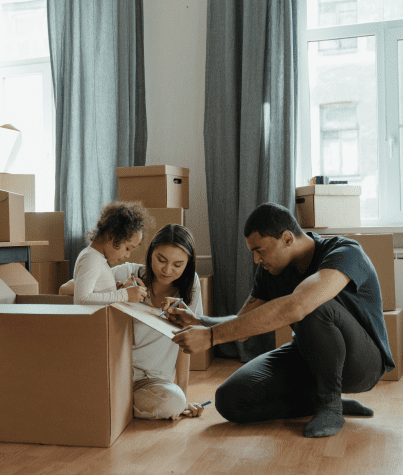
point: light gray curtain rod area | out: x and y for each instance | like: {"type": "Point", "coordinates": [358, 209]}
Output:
{"type": "Point", "coordinates": [97, 60]}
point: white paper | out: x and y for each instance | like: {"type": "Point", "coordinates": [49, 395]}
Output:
{"type": "Point", "coordinates": [149, 316]}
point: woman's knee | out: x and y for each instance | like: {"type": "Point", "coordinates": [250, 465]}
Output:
{"type": "Point", "coordinates": [159, 402]}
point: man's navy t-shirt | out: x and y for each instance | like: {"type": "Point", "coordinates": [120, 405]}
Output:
{"type": "Point", "coordinates": [361, 296]}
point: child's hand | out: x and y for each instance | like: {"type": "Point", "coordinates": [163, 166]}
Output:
{"type": "Point", "coordinates": [132, 281]}
{"type": "Point", "coordinates": [136, 294]}
{"type": "Point", "coordinates": [193, 410]}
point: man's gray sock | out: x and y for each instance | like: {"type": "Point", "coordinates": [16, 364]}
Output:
{"type": "Point", "coordinates": [352, 407]}
{"type": "Point", "coordinates": [327, 420]}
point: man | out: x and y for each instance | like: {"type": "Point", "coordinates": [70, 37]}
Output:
{"type": "Point", "coordinates": [328, 291]}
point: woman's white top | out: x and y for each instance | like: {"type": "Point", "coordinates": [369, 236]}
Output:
{"type": "Point", "coordinates": [94, 281]}
{"type": "Point", "coordinates": [154, 354]}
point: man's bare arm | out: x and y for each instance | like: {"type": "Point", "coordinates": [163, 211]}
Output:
{"type": "Point", "coordinates": [269, 316]}
{"type": "Point", "coordinates": [250, 304]}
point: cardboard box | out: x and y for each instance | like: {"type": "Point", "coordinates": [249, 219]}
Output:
{"type": "Point", "coordinates": [201, 361]}
{"type": "Point", "coordinates": [12, 227]}
{"type": "Point", "coordinates": [399, 282]}
{"type": "Point", "coordinates": [68, 377]}
{"type": "Point", "coordinates": [162, 217]}
{"type": "Point", "coordinates": [157, 186]}
{"type": "Point", "coordinates": [20, 281]}
{"type": "Point", "coordinates": [321, 206]}
{"type": "Point", "coordinates": [50, 275]}
{"type": "Point", "coordinates": [393, 322]}
{"type": "Point", "coordinates": [10, 140]}
{"type": "Point", "coordinates": [379, 248]}
{"type": "Point", "coordinates": [21, 184]}
{"type": "Point", "coordinates": [46, 227]}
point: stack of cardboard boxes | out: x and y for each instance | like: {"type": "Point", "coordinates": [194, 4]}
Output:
{"type": "Point", "coordinates": [164, 191]}
{"type": "Point", "coordinates": [22, 223]}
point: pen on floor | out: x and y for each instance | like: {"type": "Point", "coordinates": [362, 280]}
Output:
{"type": "Point", "coordinates": [205, 403]}
{"type": "Point", "coordinates": [171, 306]}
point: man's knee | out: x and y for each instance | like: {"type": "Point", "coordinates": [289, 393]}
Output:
{"type": "Point", "coordinates": [232, 401]}
{"type": "Point", "coordinates": [319, 318]}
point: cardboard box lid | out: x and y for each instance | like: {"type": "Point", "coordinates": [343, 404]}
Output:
{"type": "Point", "coordinates": [329, 190]}
{"type": "Point", "coordinates": [5, 194]}
{"type": "Point", "coordinates": [151, 170]}
{"type": "Point", "coordinates": [10, 139]}
{"type": "Point", "coordinates": [7, 296]}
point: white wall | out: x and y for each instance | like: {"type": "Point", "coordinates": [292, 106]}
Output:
{"type": "Point", "coordinates": [175, 57]}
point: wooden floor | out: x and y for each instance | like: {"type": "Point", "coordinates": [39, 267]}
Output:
{"type": "Point", "coordinates": [210, 445]}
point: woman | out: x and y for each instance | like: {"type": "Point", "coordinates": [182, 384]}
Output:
{"type": "Point", "coordinates": [169, 272]}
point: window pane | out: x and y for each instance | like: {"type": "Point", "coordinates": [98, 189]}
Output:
{"type": "Point", "coordinates": [343, 107]}
{"type": "Point", "coordinates": [23, 30]}
{"type": "Point", "coordinates": [323, 13]}
{"type": "Point", "coordinates": [24, 110]}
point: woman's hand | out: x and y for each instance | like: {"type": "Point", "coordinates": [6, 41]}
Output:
{"type": "Point", "coordinates": [193, 410]}
{"type": "Point", "coordinates": [181, 315]}
{"type": "Point", "coordinates": [136, 294]}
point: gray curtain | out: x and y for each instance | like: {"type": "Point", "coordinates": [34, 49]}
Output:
{"type": "Point", "coordinates": [97, 60]}
{"type": "Point", "coordinates": [249, 139]}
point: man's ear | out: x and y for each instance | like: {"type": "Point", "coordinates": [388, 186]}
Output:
{"type": "Point", "coordinates": [287, 237]}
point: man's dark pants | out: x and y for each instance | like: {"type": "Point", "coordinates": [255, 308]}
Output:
{"type": "Point", "coordinates": [333, 354]}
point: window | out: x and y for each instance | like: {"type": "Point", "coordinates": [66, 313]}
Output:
{"type": "Point", "coordinates": [351, 92]}
{"type": "Point", "coordinates": [339, 141]}
{"type": "Point", "coordinates": [26, 92]}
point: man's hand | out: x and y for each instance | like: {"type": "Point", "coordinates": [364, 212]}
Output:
{"type": "Point", "coordinates": [181, 315]}
{"type": "Point", "coordinates": [193, 339]}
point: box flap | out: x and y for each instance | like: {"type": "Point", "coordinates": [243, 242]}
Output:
{"type": "Point", "coordinates": [151, 170]}
{"type": "Point", "coordinates": [7, 296]}
{"type": "Point", "coordinates": [18, 278]}
{"type": "Point", "coordinates": [329, 190]}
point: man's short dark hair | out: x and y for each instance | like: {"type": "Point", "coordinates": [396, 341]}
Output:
{"type": "Point", "coordinates": [270, 219]}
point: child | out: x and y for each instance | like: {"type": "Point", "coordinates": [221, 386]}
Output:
{"type": "Point", "coordinates": [119, 230]}
{"type": "Point", "coordinates": [169, 272]}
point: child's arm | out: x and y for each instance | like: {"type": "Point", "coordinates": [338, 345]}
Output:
{"type": "Point", "coordinates": [88, 274]}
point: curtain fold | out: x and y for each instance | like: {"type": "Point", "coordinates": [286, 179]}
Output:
{"type": "Point", "coordinates": [97, 60]}
{"type": "Point", "coordinates": [249, 139]}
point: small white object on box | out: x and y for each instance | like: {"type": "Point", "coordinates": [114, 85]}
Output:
{"type": "Point", "coordinates": [12, 228]}
{"type": "Point", "coordinates": [323, 206]}
{"type": "Point", "coordinates": [10, 140]}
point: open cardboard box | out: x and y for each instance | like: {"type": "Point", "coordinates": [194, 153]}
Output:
{"type": "Point", "coordinates": [66, 373]}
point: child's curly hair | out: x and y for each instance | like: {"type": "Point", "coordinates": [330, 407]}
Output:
{"type": "Point", "coordinates": [119, 221]}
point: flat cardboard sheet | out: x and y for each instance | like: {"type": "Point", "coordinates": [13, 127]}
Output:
{"type": "Point", "coordinates": [149, 316]}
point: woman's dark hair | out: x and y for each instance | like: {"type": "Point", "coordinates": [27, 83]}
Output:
{"type": "Point", "coordinates": [270, 219]}
{"type": "Point", "coordinates": [180, 237]}
{"type": "Point", "coordinates": [119, 221]}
